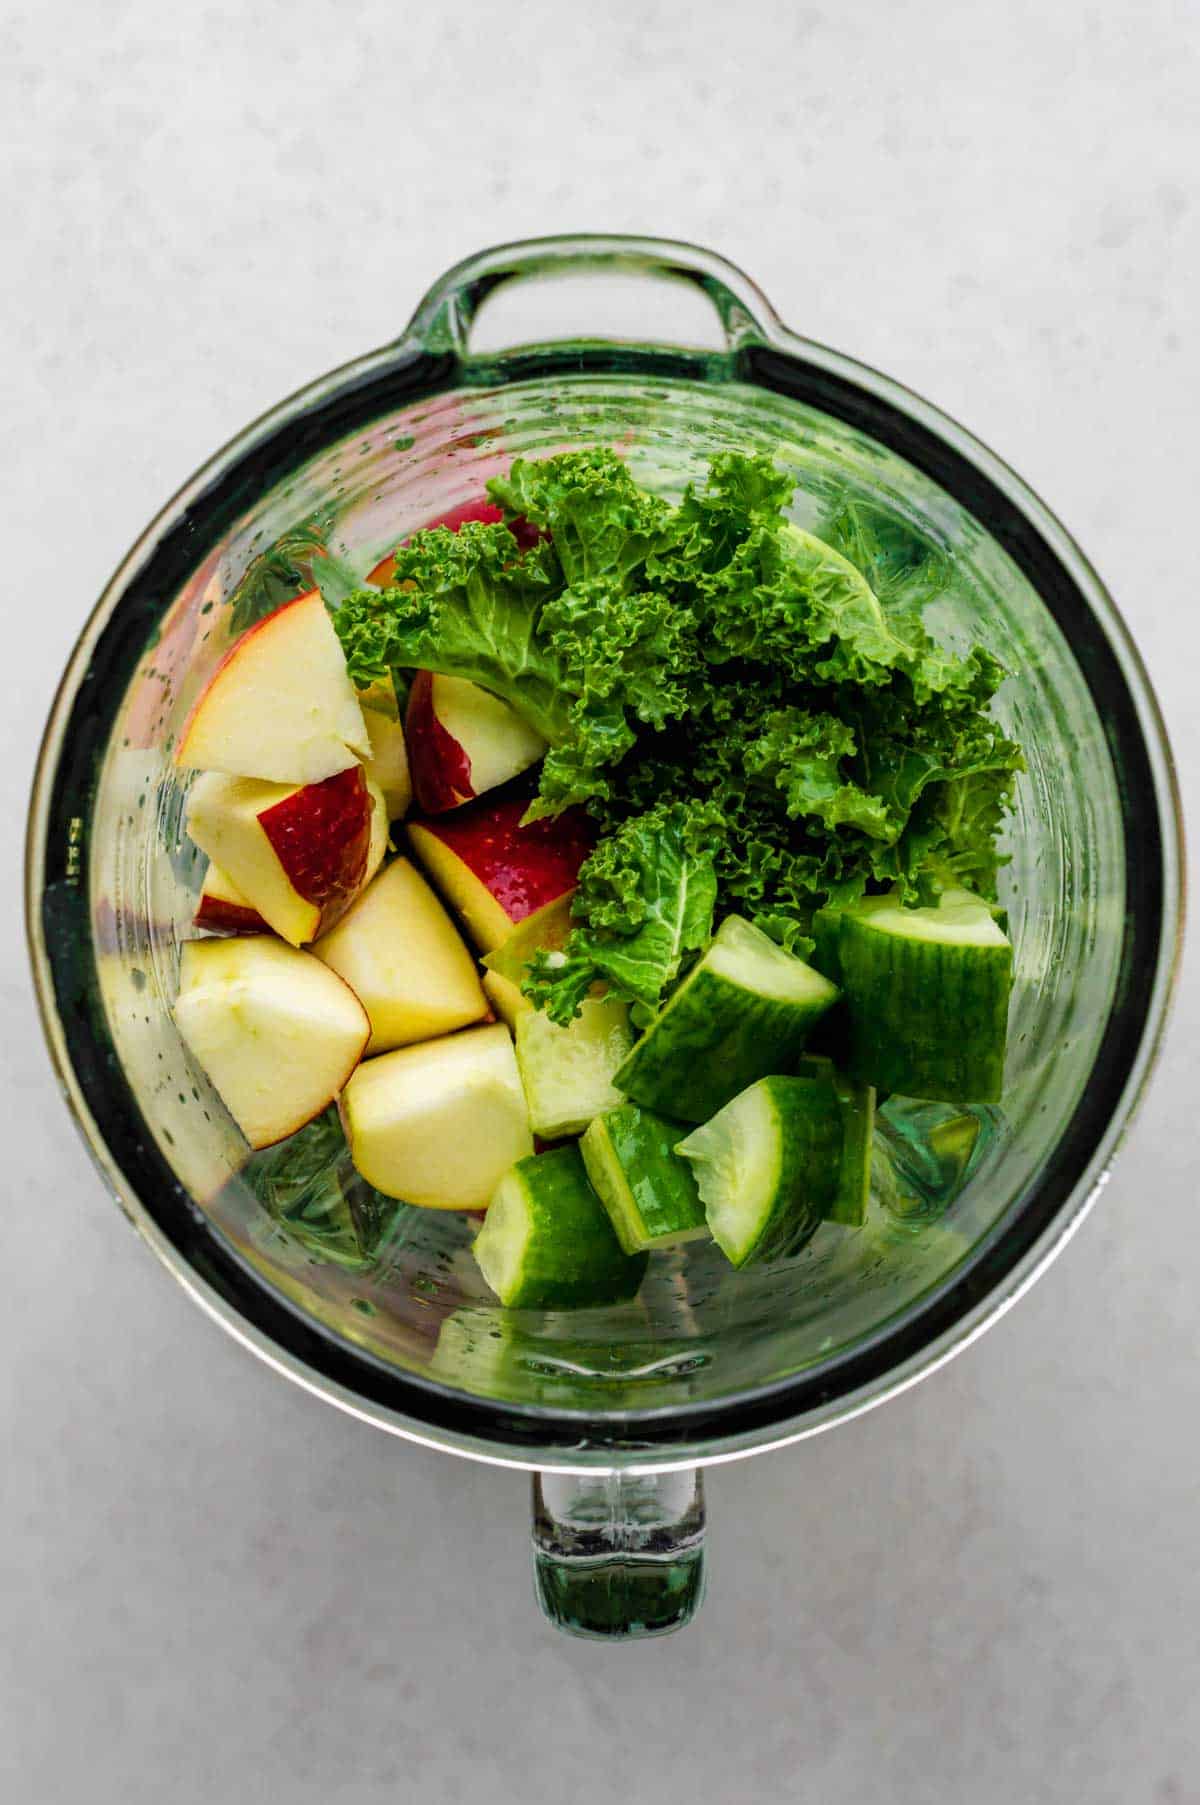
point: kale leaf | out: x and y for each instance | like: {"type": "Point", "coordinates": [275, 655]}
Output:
{"type": "Point", "coordinates": [757, 717]}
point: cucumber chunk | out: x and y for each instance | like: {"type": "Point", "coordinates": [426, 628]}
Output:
{"type": "Point", "coordinates": [856, 1105]}
{"type": "Point", "coordinates": [547, 1243]}
{"type": "Point", "coordinates": [768, 1167]}
{"type": "Point", "coordinates": [567, 1072]}
{"type": "Point", "coordinates": [649, 1192]}
{"type": "Point", "coordinates": [926, 993]}
{"type": "Point", "coordinates": [743, 1012]}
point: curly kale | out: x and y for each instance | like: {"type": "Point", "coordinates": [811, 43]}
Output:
{"type": "Point", "coordinates": [757, 717]}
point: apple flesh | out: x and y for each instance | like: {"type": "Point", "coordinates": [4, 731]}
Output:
{"type": "Point", "coordinates": [298, 854]}
{"type": "Point", "coordinates": [462, 741]}
{"type": "Point", "coordinates": [388, 764]}
{"type": "Point", "coordinates": [546, 930]}
{"type": "Point", "coordinates": [439, 1124]}
{"type": "Point", "coordinates": [493, 872]}
{"type": "Point", "coordinates": [280, 706]}
{"type": "Point", "coordinates": [505, 998]}
{"type": "Point", "coordinates": [401, 955]}
{"type": "Point", "coordinates": [223, 908]}
{"type": "Point", "coordinates": [277, 1032]}
{"type": "Point", "coordinates": [379, 836]}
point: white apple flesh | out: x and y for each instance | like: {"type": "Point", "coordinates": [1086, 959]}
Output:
{"type": "Point", "coordinates": [280, 705]}
{"type": "Point", "coordinates": [401, 954]}
{"type": "Point", "coordinates": [439, 1124]}
{"type": "Point", "coordinates": [388, 764]}
{"type": "Point", "coordinates": [462, 741]}
{"type": "Point", "coordinates": [277, 1032]}
{"type": "Point", "coordinates": [298, 854]}
{"type": "Point", "coordinates": [223, 908]}
{"type": "Point", "coordinates": [505, 998]}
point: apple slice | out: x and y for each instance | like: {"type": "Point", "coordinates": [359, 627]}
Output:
{"type": "Point", "coordinates": [388, 763]}
{"type": "Point", "coordinates": [439, 1124]}
{"type": "Point", "coordinates": [383, 572]}
{"type": "Point", "coordinates": [298, 853]}
{"type": "Point", "coordinates": [277, 1032]}
{"type": "Point", "coordinates": [223, 908]}
{"type": "Point", "coordinates": [492, 871]}
{"type": "Point", "coordinates": [379, 837]}
{"type": "Point", "coordinates": [545, 930]}
{"type": "Point", "coordinates": [401, 955]}
{"type": "Point", "coordinates": [505, 998]}
{"type": "Point", "coordinates": [280, 705]}
{"type": "Point", "coordinates": [463, 741]}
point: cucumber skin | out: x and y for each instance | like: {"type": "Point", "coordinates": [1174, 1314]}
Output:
{"type": "Point", "coordinates": [924, 1018]}
{"type": "Point", "coordinates": [711, 1041]}
{"type": "Point", "coordinates": [574, 1258]}
{"type": "Point", "coordinates": [856, 1105]}
{"type": "Point", "coordinates": [858, 1137]}
{"type": "Point", "coordinates": [811, 1146]}
{"type": "Point", "coordinates": [809, 1129]}
{"type": "Point", "coordinates": [662, 1186]}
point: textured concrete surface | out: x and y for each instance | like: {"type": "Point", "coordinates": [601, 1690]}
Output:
{"type": "Point", "coordinates": [215, 1589]}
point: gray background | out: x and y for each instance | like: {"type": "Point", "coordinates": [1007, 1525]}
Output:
{"type": "Point", "coordinates": [217, 1590]}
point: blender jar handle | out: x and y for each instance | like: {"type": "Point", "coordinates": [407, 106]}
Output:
{"type": "Point", "coordinates": [444, 319]}
{"type": "Point", "coordinates": [618, 1554]}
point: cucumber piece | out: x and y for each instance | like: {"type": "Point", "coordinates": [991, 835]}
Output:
{"type": "Point", "coordinates": [856, 1105]}
{"type": "Point", "coordinates": [547, 1243]}
{"type": "Point", "coordinates": [649, 1192]}
{"type": "Point", "coordinates": [567, 1072]}
{"type": "Point", "coordinates": [743, 1012]}
{"type": "Point", "coordinates": [926, 994]}
{"type": "Point", "coordinates": [768, 1167]}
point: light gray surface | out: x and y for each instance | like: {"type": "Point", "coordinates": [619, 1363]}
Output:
{"type": "Point", "coordinates": [214, 1588]}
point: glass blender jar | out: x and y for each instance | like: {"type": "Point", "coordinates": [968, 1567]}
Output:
{"type": "Point", "coordinates": [614, 1411]}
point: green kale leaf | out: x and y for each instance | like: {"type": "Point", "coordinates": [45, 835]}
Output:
{"type": "Point", "coordinates": [647, 896]}
{"type": "Point", "coordinates": [601, 523]}
{"type": "Point", "coordinates": [466, 604]}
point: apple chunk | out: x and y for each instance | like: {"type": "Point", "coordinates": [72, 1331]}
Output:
{"type": "Point", "coordinates": [400, 953]}
{"type": "Point", "coordinates": [492, 871]}
{"type": "Point", "coordinates": [388, 763]}
{"type": "Point", "coordinates": [298, 854]}
{"type": "Point", "coordinates": [505, 998]}
{"type": "Point", "coordinates": [223, 908]}
{"type": "Point", "coordinates": [276, 1031]}
{"type": "Point", "coordinates": [463, 741]}
{"type": "Point", "coordinates": [439, 1124]}
{"type": "Point", "coordinates": [280, 705]}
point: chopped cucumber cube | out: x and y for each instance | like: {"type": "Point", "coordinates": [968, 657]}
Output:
{"type": "Point", "coordinates": [768, 1166]}
{"type": "Point", "coordinates": [856, 1104]}
{"type": "Point", "coordinates": [567, 1072]}
{"type": "Point", "coordinates": [926, 996]}
{"type": "Point", "coordinates": [547, 1243]}
{"type": "Point", "coordinates": [743, 1012]}
{"type": "Point", "coordinates": [649, 1192]}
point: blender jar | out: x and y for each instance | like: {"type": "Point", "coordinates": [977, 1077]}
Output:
{"type": "Point", "coordinates": [614, 1410]}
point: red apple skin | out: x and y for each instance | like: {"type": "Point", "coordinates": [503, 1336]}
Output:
{"type": "Point", "coordinates": [524, 868]}
{"type": "Point", "coordinates": [437, 764]}
{"type": "Point", "coordinates": [228, 918]}
{"type": "Point", "coordinates": [321, 835]}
